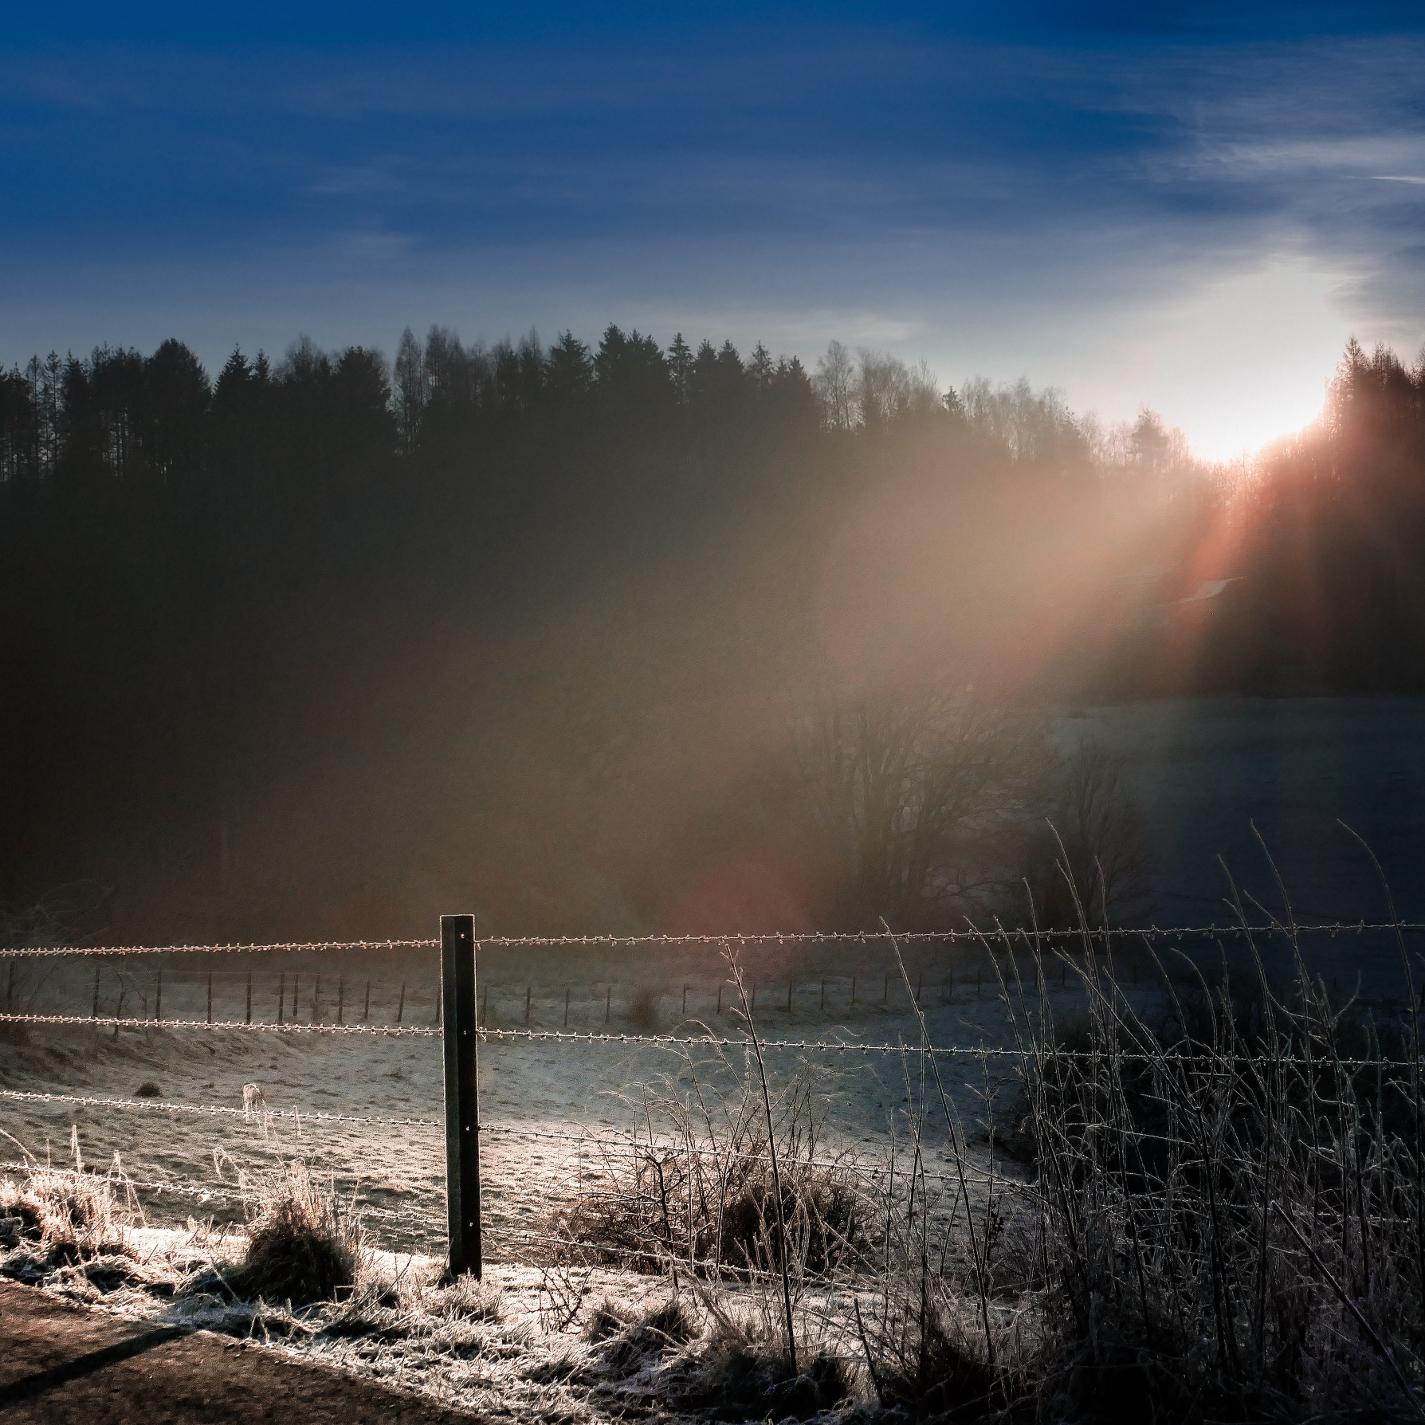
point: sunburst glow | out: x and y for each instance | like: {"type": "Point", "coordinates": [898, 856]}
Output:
{"type": "Point", "coordinates": [1244, 360]}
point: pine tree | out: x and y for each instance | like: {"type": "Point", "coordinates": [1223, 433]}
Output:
{"type": "Point", "coordinates": [680, 366]}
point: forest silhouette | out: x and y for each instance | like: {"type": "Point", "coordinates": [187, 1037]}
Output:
{"type": "Point", "coordinates": [326, 645]}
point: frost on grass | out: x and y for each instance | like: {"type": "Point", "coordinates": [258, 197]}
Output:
{"type": "Point", "coordinates": [303, 1244]}
{"type": "Point", "coordinates": [697, 1183]}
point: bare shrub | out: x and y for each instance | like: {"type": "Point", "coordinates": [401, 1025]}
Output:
{"type": "Point", "coordinates": [1091, 859]}
{"type": "Point", "coordinates": [916, 795]}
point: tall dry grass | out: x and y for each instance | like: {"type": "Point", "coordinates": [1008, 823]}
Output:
{"type": "Point", "coordinates": [1225, 1219]}
{"type": "Point", "coordinates": [1222, 1217]}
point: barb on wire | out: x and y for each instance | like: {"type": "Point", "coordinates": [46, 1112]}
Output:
{"type": "Point", "coordinates": [230, 948]}
{"type": "Point", "coordinates": [105, 1021]}
{"type": "Point", "coordinates": [575, 1036]}
{"type": "Point", "coordinates": [996, 934]}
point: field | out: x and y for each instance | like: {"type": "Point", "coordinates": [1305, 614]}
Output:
{"type": "Point", "coordinates": [597, 1059]}
{"type": "Point", "coordinates": [550, 1108]}
{"type": "Point", "coordinates": [1203, 771]}
{"type": "Point", "coordinates": [1213, 1191]}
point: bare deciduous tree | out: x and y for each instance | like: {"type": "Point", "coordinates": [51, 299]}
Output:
{"type": "Point", "coordinates": [919, 798]}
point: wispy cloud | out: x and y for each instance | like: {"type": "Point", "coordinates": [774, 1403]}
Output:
{"type": "Point", "coordinates": [990, 199]}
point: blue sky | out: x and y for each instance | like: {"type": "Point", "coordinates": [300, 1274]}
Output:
{"type": "Point", "coordinates": [1191, 208]}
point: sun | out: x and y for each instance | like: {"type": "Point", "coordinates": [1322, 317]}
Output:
{"type": "Point", "coordinates": [1245, 359]}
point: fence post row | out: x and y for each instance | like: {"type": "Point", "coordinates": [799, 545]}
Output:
{"type": "Point", "coordinates": [462, 1101]}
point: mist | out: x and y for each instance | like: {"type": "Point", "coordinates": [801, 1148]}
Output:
{"type": "Point", "coordinates": [627, 635]}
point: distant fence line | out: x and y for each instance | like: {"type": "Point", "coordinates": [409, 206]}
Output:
{"type": "Point", "coordinates": [337, 999]}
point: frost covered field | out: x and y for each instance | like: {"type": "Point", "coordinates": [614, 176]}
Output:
{"type": "Point", "coordinates": [553, 1110]}
{"type": "Point", "coordinates": [962, 1280]}
{"type": "Point", "coordinates": [550, 1108]}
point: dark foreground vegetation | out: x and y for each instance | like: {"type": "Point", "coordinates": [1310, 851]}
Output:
{"type": "Point", "coordinates": [1221, 1219]}
{"type": "Point", "coordinates": [327, 644]}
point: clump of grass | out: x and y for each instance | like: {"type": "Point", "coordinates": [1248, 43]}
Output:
{"type": "Point", "coordinates": [606, 1318]}
{"type": "Point", "coordinates": [148, 1089]}
{"type": "Point", "coordinates": [304, 1245]}
{"type": "Point", "coordinates": [734, 1366]}
{"type": "Point", "coordinates": [696, 1185]}
{"type": "Point", "coordinates": [631, 1343]}
{"type": "Point", "coordinates": [928, 1363]}
{"type": "Point", "coordinates": [63, 1217]}
{"type": "Point", "coordinates": [744, 1372]}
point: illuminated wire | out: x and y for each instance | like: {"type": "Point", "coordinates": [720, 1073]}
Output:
{"type": "Point", "coordinates": [790, 937]}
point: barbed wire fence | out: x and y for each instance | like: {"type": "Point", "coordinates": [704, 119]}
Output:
{"type": "Point", "coordinates": [343, 1015]}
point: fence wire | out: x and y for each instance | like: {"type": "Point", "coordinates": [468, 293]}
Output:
{"type": "Point", "coordinates": [907, 1048]}
{"type": "Point", "coordinates": [991, 934]}
{"type": "Point", "coordinates": [1206, 1062]}
{"type": "Point", "coordinates": [113, 1021]}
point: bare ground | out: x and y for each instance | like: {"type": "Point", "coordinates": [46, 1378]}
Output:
{"type": "Point", "coordinates": [62, 1362]}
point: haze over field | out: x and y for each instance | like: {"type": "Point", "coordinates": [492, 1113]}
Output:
{"type": "Point", "coordinates": [663, 410]}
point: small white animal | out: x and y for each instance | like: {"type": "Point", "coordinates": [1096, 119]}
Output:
{"type": "Point", "coordinates": [252, 1100]}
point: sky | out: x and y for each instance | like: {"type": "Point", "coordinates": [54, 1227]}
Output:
{"type": "Point", "coordinates": [1190, 208]}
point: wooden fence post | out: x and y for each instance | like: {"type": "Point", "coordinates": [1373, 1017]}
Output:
{"type": "Point", "coordinates": [462, 1100]}
{"type": "Point", "coordinates": [281, 996]}
{"type": "Point", "coordinates": [401, 1003]}
{"type": "Point", "coordinates": [94, 1013]}
{"type": "Point", "coordinates": [366, 1004]}
{"type": "Point", "coordinates": [210, 996]}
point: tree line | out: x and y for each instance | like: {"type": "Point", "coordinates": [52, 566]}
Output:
{"type": "Point", "coordinates": [323, 639]}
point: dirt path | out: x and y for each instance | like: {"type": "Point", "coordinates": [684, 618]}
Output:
{"type": "Point", "coordinates": [60, 1362]}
